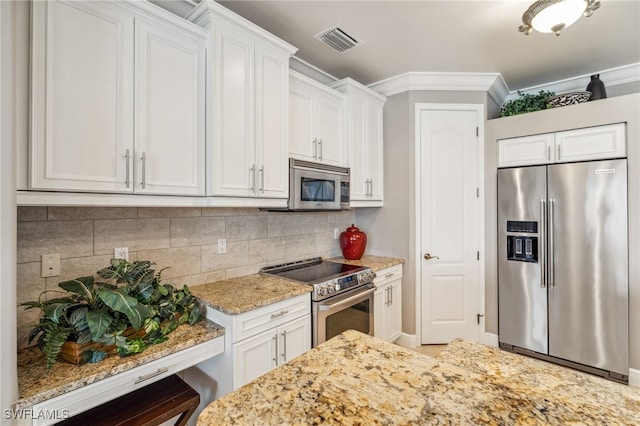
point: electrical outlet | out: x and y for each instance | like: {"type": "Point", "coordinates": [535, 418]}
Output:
{"type": "Point", "coordinates": [50, 265]}
{"type": "Point", "coordinates": [121, 253]}
{"type": "Point", "coordinates": [222, 245]}
{"type": "Point", "coordinates": [336, 233]}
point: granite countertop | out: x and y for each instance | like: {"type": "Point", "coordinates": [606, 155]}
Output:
{"type": "Point", "coordinates": [357, 379]}
{"type": "Point", "coordinates": [36, 385]}
{"type": "Point", "coordinates": [376, 263]}
{"type": "Point", "coordinates": [238, 295]}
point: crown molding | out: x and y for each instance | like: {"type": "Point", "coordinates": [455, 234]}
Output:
{"type": "Point", "coordinates": [492, 83]}
{"type": "Point", "coordinates": [311, 71]}
{"type": "Point", "coordinates": [611, 77]}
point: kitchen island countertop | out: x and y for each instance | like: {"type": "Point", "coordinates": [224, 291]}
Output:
{"type": "Point", "coordinates": [357, 379]}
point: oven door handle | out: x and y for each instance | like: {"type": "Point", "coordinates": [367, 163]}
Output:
{"type": "Point", "coordinates": [356, 297]}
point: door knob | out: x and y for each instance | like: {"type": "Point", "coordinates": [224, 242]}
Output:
{"type": "Point", "coordinates": [428, 256]}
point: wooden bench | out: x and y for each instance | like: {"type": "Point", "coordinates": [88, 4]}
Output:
{"type": "Point", "coordinates": [152, 405]}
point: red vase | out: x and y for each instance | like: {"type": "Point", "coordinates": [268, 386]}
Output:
{"type": "Point", "coordinates": [353, 242]}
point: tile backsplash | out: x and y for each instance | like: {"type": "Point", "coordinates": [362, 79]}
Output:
{"type": "Point", "coordinates": [185, 240]}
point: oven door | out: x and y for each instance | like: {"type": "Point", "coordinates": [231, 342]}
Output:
{"type": "Point", "coordinates": [349, 311]}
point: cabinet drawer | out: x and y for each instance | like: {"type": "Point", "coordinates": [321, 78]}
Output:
{"type": "Point", "coordinates": [92, 395]}
{"type": "Point", "coordinates": [386, 275]}
{"type": "Point", "coordinates": [259, 320]}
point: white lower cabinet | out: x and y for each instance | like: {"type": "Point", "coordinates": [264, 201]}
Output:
{"type": "Point", "coordinates": [387, 302]}
{"type": "Point", "coordinates": [261, 353]}
{"type": "Point", "coordinates": [257, 341]}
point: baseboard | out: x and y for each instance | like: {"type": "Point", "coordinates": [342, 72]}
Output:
{"type": "Point", "coordinates": [407, 340]}
{"type": "Point", "coordinates": [634, 378]}
{"type": "Point", "coordinates": [490, 339]}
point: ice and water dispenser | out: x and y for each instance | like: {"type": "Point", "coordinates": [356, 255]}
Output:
{"type": "Point", "coordinates": [522, 248]}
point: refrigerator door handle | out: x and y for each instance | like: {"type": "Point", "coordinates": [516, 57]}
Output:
{"type": "Point", "coordinates": [551, 282]}
{"type": "Point", "coordinates": [543, 245]}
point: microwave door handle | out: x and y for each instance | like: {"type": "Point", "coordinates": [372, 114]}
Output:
{"type": "Point", "coordinates": [356, 297]}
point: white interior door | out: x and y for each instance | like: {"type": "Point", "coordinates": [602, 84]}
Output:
{"type": "Point", "coordinates": [449, 224]}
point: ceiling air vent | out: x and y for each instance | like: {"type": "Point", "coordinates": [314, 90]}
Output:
{"type": "Point", "coordinates": [338, 38]}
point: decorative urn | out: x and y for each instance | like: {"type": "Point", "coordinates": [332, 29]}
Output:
{"type": "Point", "coordinates": [353, 242]}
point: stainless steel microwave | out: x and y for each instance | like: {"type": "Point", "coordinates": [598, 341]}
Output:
{"type": "Point", "coordinates": [315, 186]}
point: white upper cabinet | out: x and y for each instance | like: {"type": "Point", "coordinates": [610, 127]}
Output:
{"type": "Point", "coordinates": [248, 105]}
{"type": "Point", "coordinates": [592, 143]}
{"type": "Point", "coordinates": [170, 111]}
{"type": "Point", "coordinates": [364, 109]}
{"type": "Point", "coordinates": [97, 126]}
{"type": "Point", "coordinates": [316, 122]}
{"type": "Point", "coordinates": [82, 97]}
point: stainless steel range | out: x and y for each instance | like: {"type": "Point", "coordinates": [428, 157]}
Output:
{"type": "Point", "coordinates": [342, 297]}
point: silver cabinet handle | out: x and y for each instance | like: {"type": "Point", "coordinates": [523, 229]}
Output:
{"type": "Point", "coordinates": [127, 158]}
{"type": "Point", "coordinates": [390, 274]}
{"type": "Point", "coordinates": [146, 377]}
{"type": "Point", "coordinates": [390, 295]}
{"type": "Point", "coordinates": [252, 178]}
{"type": "Point", "coordinates": [281, 314]}
{"type": "Point", "coordinates": [370, 188]}
{"type": "Point", "coordinates": [320, 143]}
{"type": "Point", "coordinates": [552, 208]}
{"type": "Point", "coordinates": [558, 149]}
{"type": "Point", "coordinates": [284, 345]}
{"type": "Point", "coordinates": [261, 188]}
{"type": "Point", "coordinates": [315, 148]}
{"type": "Point", "coordinates": [143, 159]}
{"type": "Point", "coordinates": [428, 256]}
{"type": "Point", "coordinates": [543, 243]}
{"type": "Point", "coordinates": [275, 356]}
{"type": "Point", "coordinates": [548, 153]}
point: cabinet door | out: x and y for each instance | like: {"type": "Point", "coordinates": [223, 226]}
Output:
{"type": "Point", "coordinates": [374, 152]}
{"type": "Point", "coordinates": [254, 357]}
{"type": "Point", "coordinates": [272, 88]}
{"type": "Point", "coordinates": [302, 143]}
{"type": "Point", "coordinates": [379, 312]}
{"type": "Point", "coordinates": [170, 105]}
{"type": "Point", "coordinates": [357, 136]}
{"type": "Point", "coordinates": [330, 129]}
{"type": "Point", "coordinates": [234, 171]}
{"type": "Point", "coordinates": [82, 97]}
{"type": "Point", "coordinates": [527, 150]}
{"type": "Point", "coordinates": [294, 338]}
{"type": "Point", "coordinates": [593, 143]}
{"type": "Point", "coordinates": [394, 310]}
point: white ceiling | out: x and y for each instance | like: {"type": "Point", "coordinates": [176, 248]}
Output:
{"type": "Point", "coordinates": [451, 36]}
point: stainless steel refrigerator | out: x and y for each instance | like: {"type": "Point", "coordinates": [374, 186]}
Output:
{"type": "Point", "coordinates": [563, 264]}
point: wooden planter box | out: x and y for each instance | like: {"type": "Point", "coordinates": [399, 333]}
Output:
{"type": "Point", "coordinates": [72, 352]}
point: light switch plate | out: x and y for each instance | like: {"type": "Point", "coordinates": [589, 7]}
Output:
{"type": "Point", "coordinates": [50, 265]}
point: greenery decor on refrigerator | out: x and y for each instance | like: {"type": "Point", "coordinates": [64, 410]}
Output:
{"type": "Point", "coordinates": [131, 310]}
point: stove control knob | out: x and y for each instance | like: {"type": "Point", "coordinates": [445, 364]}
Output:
{"type": "Point", "coordinates": [330, 288]}
{"type": "Point", "coordinates": [336, 287]}
{"type": "Point", "coordinates": [322, 291]}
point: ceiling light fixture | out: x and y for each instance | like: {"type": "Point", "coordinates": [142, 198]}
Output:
{"type": "Point", "coordinates": [552, 16]}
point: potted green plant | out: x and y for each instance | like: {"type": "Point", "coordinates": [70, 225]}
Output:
{"type": "Point", "coordinates": [526, 102]}
{"type": "Point", "coordinates": [130, 311]}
